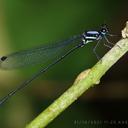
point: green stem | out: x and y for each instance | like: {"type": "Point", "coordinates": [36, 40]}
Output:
{"type": "Point", "coordinates": [86, 80]}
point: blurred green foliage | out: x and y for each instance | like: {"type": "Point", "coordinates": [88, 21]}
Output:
{"type": "Point", "coordinates": [30, 23]}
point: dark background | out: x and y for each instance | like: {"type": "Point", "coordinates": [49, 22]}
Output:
{"type": "Point", "coordinates": [28, 23]}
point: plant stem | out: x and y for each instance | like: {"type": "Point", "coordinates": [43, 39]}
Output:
{"type": "Point", "coordinates": [86, 80]}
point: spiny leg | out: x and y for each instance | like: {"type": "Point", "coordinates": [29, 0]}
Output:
{"type": "Point", "coordinates": [108, 42]}
{"type": "Point", "coordinates": [94, 50]}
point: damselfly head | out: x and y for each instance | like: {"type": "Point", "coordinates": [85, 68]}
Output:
{"type": "Point", "coordinates": [104, 29]}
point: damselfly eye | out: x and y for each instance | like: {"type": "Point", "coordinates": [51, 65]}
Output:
{"type": "Point", "coordinates": [103, 30]}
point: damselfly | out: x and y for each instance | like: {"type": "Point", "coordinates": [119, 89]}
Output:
{"type": "Point", "coordinates": [44, 53]}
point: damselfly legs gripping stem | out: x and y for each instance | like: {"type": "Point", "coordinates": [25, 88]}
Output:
{"type": "Point", "coordinates": [43, 53]}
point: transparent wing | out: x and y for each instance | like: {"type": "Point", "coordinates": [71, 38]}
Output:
{"type": "Point", "coordinates": [36, 55]}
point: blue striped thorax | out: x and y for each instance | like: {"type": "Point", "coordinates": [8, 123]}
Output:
{"type": "Point", "coordinates": [91, 36]}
